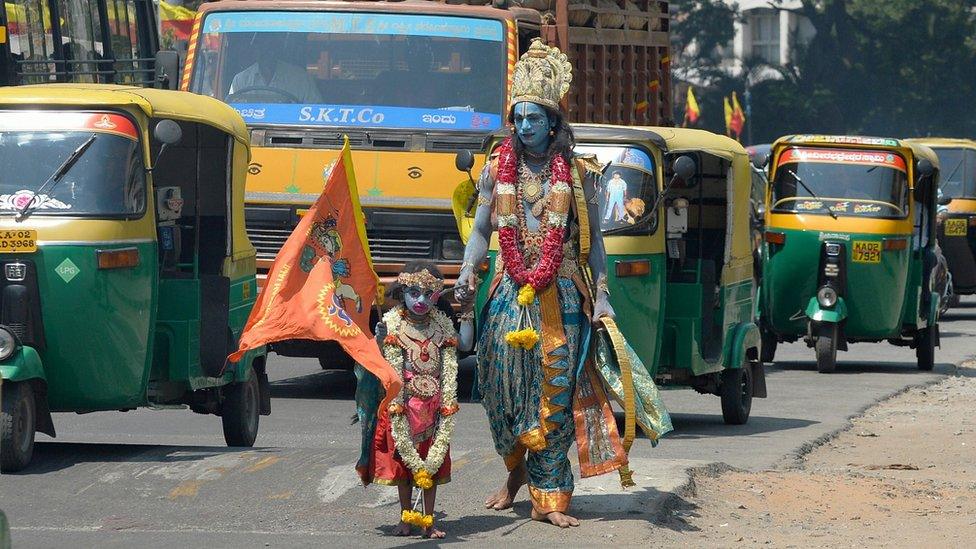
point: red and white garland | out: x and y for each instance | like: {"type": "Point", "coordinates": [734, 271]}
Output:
{"type": "Point", "coordinates": [557, 213]}
{"type": "Point", "coordinates": [508, 208]}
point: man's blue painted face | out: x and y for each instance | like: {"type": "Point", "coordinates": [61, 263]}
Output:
{"type": "Point", "coordinates": [532, 124]}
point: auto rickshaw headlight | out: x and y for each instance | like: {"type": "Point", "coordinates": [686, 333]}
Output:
{"type": "Point", "coordinates": [8, 343]}
{"type": "Point", "coordinates": [827, 296]}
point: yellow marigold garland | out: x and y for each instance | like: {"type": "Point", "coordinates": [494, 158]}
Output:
{"type": "Point", "coordinates": [525, 338]}
{"type": "Point", "coordinates": [526, 295]}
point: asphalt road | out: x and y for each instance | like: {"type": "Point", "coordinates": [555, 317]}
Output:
{"type": "Point", "coordinates": [158, 478]}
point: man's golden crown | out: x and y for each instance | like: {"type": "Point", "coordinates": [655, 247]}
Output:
{"type": "Point", "coordinates": [541, 76]}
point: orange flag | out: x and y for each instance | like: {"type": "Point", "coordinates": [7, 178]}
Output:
{"type": "Point", "coordinates": [322, 283]}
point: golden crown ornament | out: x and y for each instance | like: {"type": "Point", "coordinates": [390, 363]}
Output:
{"type": "Point", "coordinates": [541, 76]}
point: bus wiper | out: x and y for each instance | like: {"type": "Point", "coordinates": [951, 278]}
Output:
{"type": "Point", "coordinates": [812, 194]}
{"type": "Point", "coordinates": [55, 178]}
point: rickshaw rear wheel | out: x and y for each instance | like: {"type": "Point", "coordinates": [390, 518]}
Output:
{"type": "Point", "coordinates": [925, 348]}
{"type": "Point", "coordinates": [736, 393]}
{"type": "Point", "coordinates": [240, 413]}
{"type": "Point", "coordinates": [826, 349]}
{"type": "Point", "coordinates": [18, 422]}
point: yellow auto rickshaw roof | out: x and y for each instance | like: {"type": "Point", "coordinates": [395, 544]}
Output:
{"type": "Point", "coordinates": [666, 138]}
{"type": "Point", "coordinates": [943, 142]}
{"type": "Point", "coordinates": [155, 103]}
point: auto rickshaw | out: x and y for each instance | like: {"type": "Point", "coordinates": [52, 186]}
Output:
{"type": "Point", "coordinates": [680, 269]}
{"type": "Point", "coordinates": [850, 253]}
{"type": "Point", "coordinates": [126, 275]}
{"type": "Point", "coordinates": [957, 216]}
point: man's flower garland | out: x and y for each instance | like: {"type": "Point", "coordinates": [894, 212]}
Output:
{"type": "Point", "coordinates": [422, 469]}
{"type": "Point", "coordinates": [551, 255]}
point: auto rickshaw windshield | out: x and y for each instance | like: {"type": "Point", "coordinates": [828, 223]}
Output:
{"type": "Point", "coordinates": [861, 183]}
{"type": "Point", "coordinates": [957, 172]}
{"type": "Point", "coordinates": [627, 191]}
{"type": "Point", "coordinates": [107, 180]}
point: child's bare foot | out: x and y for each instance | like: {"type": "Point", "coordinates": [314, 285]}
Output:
{"type": "Point", "coordinates": [433, 533]}
{"type": "Point", "coordinates": [402, 529]}
{"type": "Point", "coordinates": [503, 498]}
{"type": "Point", "coordinates": [561, 520]}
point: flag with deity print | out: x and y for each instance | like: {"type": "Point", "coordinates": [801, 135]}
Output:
{"type": "Point", "coordinates": [322, 284]}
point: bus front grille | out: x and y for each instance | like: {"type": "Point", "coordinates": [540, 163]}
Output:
{"type": "Point", "coordinates": [385, 246]}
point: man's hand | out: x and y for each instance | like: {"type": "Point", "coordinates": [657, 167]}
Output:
{"type": "Point", "coordinates": [602, 308]}
{"type": "Point", "coordinates": [465, 289]}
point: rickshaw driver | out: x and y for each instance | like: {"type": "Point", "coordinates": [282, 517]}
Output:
{"type": "Point", "coordinates": [268, 71]}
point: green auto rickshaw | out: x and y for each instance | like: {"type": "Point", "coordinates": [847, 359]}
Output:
{"type": "Point", "coordinates": [126, 275]}
{"type": "Point", "coordinates": [957, 216]}
{"type": "Point", "coordinates": [850, 250]}
{"type": "Point", "coordinates": [680, 270]}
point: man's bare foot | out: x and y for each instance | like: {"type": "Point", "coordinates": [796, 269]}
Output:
{"type": "Point", "coordinates": [433, 533]}
{"type": "Point", "coordinates": [402, 529]}
{"type": "Point", "coordinates": [503, 498]}
{"type": "Point", "coordinates": [561, 520]}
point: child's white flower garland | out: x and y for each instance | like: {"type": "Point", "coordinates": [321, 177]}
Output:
{"type": "Point", "coordinates": [400, 427]}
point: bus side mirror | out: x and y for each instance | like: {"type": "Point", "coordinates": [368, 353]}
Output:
{"type": "Point", "coordinates": [167, 70]}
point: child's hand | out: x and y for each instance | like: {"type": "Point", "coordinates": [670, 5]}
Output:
{"type": "Point", "coordinates": [381, 332]}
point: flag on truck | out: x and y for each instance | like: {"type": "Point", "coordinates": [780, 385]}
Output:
{"type": "Point", "coordinates": [738, 119]}
{"type": "Point", "coordinates": [177, 20]}
{"type": "Point", "coordinates": [692, 111]}
{"type": "Point", "coordinates": [322, 284]}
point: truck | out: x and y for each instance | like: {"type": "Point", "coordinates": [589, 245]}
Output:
{"type": "Point", "coordinates": [101, 41]}
{"type": "Point", "coordinates": [410, 83]}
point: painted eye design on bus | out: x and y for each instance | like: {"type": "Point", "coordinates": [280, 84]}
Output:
{"type": "Point", "coordinates": [415, 172]}
{"type": "Point", "coordinates": [254, 168]}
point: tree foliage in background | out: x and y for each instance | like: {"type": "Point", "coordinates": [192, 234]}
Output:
{"type": "Point", "coordinates": [894, 67]}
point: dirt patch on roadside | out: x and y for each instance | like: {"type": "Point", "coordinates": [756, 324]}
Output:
{"type": "Point", "coordinates": [904, 474]}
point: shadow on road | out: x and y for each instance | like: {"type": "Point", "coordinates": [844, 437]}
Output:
{"type": "Point", "coordinates": [862, 367]}
{"type": "Point", "coordinates": [56, 456]}
{"type": "Point", "coordinates": [695, 426]}
{"type": "Point", "coordinates": [341, 384]}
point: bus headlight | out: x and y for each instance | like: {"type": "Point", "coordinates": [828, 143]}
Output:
{"type": "Point", "coordinates": [827, 297]}
{"type": "Point", "coordinates": [8, 343]}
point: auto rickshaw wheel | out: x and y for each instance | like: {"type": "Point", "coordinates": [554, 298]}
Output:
{"type": "Point", "coordinates": [826, 349]}
{"type": "Point", "coordinates": [240, 413]}
{"type": "Point", "coordinates": [18, 422]}
{"type": "Point", "coordinates": [736, 393]}
{"type": "Point", "coordinates": [925, 348]}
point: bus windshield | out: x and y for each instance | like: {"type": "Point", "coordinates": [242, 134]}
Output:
{"type": "Point", "coordinates": [862, 183]}
{"type": "Point", "coordinates": [101, 41]}
{"type": "Point", "coordinates": [368, 70]}
{"type": "Point", "coordinates": [108, 180]}
{"type": "Point", "coordinates": [627, 190]}
{"type": "Point", "coordinates": [957, 172]}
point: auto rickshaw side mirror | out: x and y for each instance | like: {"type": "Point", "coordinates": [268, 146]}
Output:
{"type": "Point", "coordinates": [759, 161]}
{"type": "Point", "coordinates": [684, 167]}
{"type": "Point", "coordinates": [924, 168]}
{"type": "Point", "coordinates": [464, 160]}
{"type": "Point", "coordinates": [168, 133]}
{"type": "Point", "coordinates": [944, 199]}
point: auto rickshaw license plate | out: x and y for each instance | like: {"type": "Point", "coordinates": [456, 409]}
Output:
{"type": "Point", "coordinates": [18, 242]}
{"type": "Point", "coordinates": [955, 227]}
{"type": "Point", "coordinates": [866, 252]}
